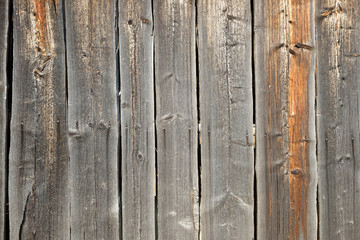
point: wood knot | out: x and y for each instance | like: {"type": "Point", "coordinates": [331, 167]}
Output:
{"type": "Point", "coordinates": [296, 171]}
{"type": "Point", "coordinates": [304, 46]}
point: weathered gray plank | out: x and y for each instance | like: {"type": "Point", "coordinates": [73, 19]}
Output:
{"type": "Point", "coordinates": [285, 121]}
{"type": "Point", "coordinates": [4, 62]}
{"type": "Point", "coordinates": [92, 118]}
{"type": "Point", "coordinates": [338, 70]}
{"type": "Point", "coordinates": [226, 107]}
{"type": "Point", "coordinates": [38, 180]}
{"type": "Point", "coordinates": [176, 119]}
{"type": "Point", "coordinates": [137, 119]}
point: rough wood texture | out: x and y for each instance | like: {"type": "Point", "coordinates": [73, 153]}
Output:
{"type": "Point", "coordinates": [227, 146]}
{"type": "Point", "coordinates": [137, 119]}
{"type": "Point", "coordinates": [176, 119]}
{"type": "Point", "coordinates": [38, 185]}
{"type": "Point", "coordinates": [4, 111]}
{"type": "Point", "coordinates": [338, 118]}
{"type": "Point", "coordinates": [285, 121]}
{"type": "Point", "coordinates": [92, 118]}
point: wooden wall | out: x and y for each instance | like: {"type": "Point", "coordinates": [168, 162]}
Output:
{"type": "Point", "coordinates": [180, 119]}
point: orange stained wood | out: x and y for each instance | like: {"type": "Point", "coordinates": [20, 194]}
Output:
{"type": "Point", "coordinates": [299, 69]}
{"type": "Point", "coordinates": [289, 60]}
{"type": "Point", "coordinates": [42, 25]}
{"type": "Point", "coordinates": [45, 54]}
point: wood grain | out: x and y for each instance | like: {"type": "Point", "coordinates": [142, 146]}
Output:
{"type": "Point", "coordinates": [4, 110]}
{"type": "Point", "coordinates": [176, 120]}
{"type": "Point", "coordinates": [338, 118]}
{"type": "Point", "coordinates": [226, 115]}
{"type": "Point", "coordinates": [38, 180]}
{"type": "Point", "coordinates": [285, 119]}
{"type": "Point", "coordinates": [137, 119]}
{"type": "Point", "coordinates": [92, 118]}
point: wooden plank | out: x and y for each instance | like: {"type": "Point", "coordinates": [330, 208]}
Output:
{"type": "Point", "coordinates": [226, 107]}
{"type": "Point", "coordinates": [4, 111]}
{"type": "Point", "coordinates": [137, 119]}
{"type": "Point", "coordinates": [338, 115]}
{"type": "Point", "coordinates": [92, 118]}
{"type": "Point", "coordinates": [38, 180]}
{"type": "Point", "coordinates": [176, 120]}
{"type": "Point", "coordinates": [285, 122]}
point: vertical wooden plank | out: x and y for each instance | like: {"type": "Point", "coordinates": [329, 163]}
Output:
{"type": "Point", "coordinates": [338, 118]}
{"type": "Point", "coordinates": [137, 119]}
{"type": "Point", "coordinates": [4, 62]}
{"type": "Point", "coordinates": [92, 118]}
{"type": "Point", "coordinates": [226, 107]}
{"type": "Point", "coordinates": [176, 119]}
{"type": "Point", "coordinates": [285, 121]}
{"type": "Point", "coordinates": [38, 180]}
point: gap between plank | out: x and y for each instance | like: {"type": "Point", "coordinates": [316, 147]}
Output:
{"type": "Point", "coordinates": [155, 126]}
{"type": "Point", "coordinates": [66, 98]}
{"type": "Point", "coordinates": [198, 112]}
{"type": "Point", "coordinates": [9, 76]}
{"type": "Point", "coordinates": [254, 109]}
{"type": "Point", "coordinates": [118, 90]}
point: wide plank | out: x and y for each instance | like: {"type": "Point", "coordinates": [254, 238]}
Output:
{"type": "Point", "coordinates": [39, 156]}
{"type": "Point", "coordinates": [93, 118]}
{"type": "Point", "coordinates": [338, 71]}
{"type": "Point", "coordinates": [226, 115]}
{"type": "Point", "coordinates": [176, 120]}
{"type": "Point", "coordinates": [285, 119]}
{"type": "Point", "coordinates": [137, 119]}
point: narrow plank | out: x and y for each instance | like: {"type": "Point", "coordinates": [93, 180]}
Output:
{"type": "Point", "coordinates": [38, 178]}
{"type": "Point", "coordinates": [4, 115]}
{"type": "Point", "coordinates": [226, 107]}
{"type": "Point", "coordinates": [137, 119]}
{"type": "Point", "coordinates": [285, 119]}
{"type": "Point", "coordinates": [176, 120]}
{"type": "Point", "coordinates": [338, 115]}
{"type": "Point", "coordinates": [92, 118]}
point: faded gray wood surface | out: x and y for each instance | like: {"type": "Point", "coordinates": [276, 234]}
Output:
{"type": "Point", "coordinates": [285, 122]}
{"type": "Point", "coordinates": [179, 76]}
{"type": "Point", "coordinates": [137, 119]}
{"type": "Point", "coordinates": [338, 118]}
{"type": "Point", "coordinates": [38, 171]}
{"type": "Point", "coordinates": [176, 120]}
{"type": "Point", "coordinates": [4, 110]}
{"type": "Point", "coordinates": [227, 146]}
{"type": "Point", "coordinates": [92, 118]}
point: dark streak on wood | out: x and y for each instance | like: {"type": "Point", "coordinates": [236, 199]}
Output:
{"type": "Point", "coordinates": [24, 217]}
